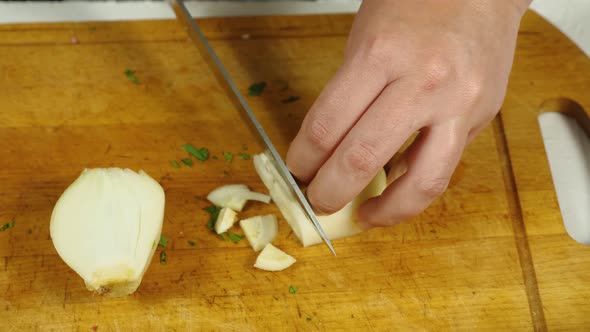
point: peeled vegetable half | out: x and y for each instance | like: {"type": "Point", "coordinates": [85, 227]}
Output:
{"type": "Point", "coordinates": [272, 258]}
{"type": "Point", "coordinates": [260, 230]}
{"type": "Point", "coordinates": [235, 196]}
{"type": "Point", "coordinates": [106, 227]}
{"type": "Point", "coordinates": [338, 225]}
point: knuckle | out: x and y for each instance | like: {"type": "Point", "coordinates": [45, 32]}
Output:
{"type": "Point", "coordinates": [377, 51]}
{"type": "Point", "coordinates": [432, 187]}
{"type": "Point", "coordinates": [362, 159]}
{"type": "Point", "coordinates": [320, 136]}
{"type": "Point", "coordinates": [439, 70]}
{"type": "Point", "coordinates": [473, 91]}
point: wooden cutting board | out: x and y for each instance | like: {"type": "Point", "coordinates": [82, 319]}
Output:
{"type": "Point", "coordinates": [492, 253]}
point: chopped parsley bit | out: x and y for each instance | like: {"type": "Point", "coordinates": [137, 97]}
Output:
{"type": "Point", "coordinates": [291, 99]}
{"type": "Point", "coordinates": [163, 258]}
{"type": "Point", "coordinates": [244, 156]}
{"type": "Point", "coordinates": [235, 238]}
{"type": "Point", "coordinates": [228, 156]}
{"type": "Point", "coordinates": [223, 236]}
{"type": "Point", "coordinates": [187, 161]}
{"type": "Point", "coordinates": [293, 289]}
{"type": "Point", "coordinates": [256, 88]}
{"type": "Point", "coordinates": [201, 154]}
{"type": "Point", "coordinates": [7, 226]}
{"type": "Point", "coordinates": [244, 147]}
{"type": "Point", "coordinates": [214, 213]}
{"type": "Point", "coordinates": [308, 318]}
{"type": "Point", "coordinates": [131, 76]}
{"type": "Point", "coordinates": [163, 241]}
{"type": "Point", "coordinates": [175, 164]}
{"type": "Point", "coordinates": [191, 243]}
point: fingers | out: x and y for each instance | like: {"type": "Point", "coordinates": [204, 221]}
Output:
{"type": "Point", "coordinates": [342, 102]}
{"type": "Point", "coordinates": [382, 130]}
{"type": "Point", "coordinates": [431, 163]}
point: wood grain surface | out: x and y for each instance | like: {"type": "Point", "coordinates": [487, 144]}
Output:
{"type": "Point", "coordinates": [491, 254]}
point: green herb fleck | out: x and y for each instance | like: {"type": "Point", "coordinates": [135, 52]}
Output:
{"type": "Point", "coordinates": [163, 241]}
{"type": "Point", "coordinates": [244, 147]}
{"type": "Point", "coordinates": [131, 76]}
{"type": "Point", "coordinates": [293, 289]}
{"type": "Point", "coordinates": [235, 238]}
{"type": "Point", "coordinates": [214, 213]}
{"type": "Point", "coordinates": [244, 156]}
{"type": "Point", "coordinates": [163, 258]}
{"type": "Point", "coordinates": [256, 88]}
{"type": "Point", "coordinates": [175, 164]}
{"type": "Point", "coordinates": [187, 161]}
{"type": "Point", "coordinates": [308, 318]}
{"type": "Point", "coordinates": [201, 154]}
{"type": "Point", "coordinates": [191, 243]}
{"type": "Point", "coordinates": [7, 226]}
{"type": "Point", "coordinates": [228, 156]}
{"type": "Point", "coordinates": [291, 99]}
{"type": "Point", "coordinates": [223, 236]}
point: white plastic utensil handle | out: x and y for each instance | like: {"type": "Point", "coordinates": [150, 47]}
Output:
{"type": "Point", "coordinates": [568, 151]}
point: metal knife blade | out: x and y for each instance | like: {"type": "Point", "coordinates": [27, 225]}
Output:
{"type": "Point", "coordinates": [225, 80]}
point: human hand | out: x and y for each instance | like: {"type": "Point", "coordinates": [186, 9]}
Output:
{"type": "Point", "coordinates": [438, 67]}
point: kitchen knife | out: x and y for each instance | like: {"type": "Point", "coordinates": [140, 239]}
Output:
{"type": "Point", "coordinates": [225, 80]}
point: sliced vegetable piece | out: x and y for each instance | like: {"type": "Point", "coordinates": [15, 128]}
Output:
{"type": "Point", "coordinates": [272, 258]}
{"type": "Point", "coordinates": [260, 230]}
{"type": "Point", "coordinates": [235, 196]}
{"type": "Point", "coordinates": [338, 225]}
{"type": "Point", "coordinates": [225, 220]}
